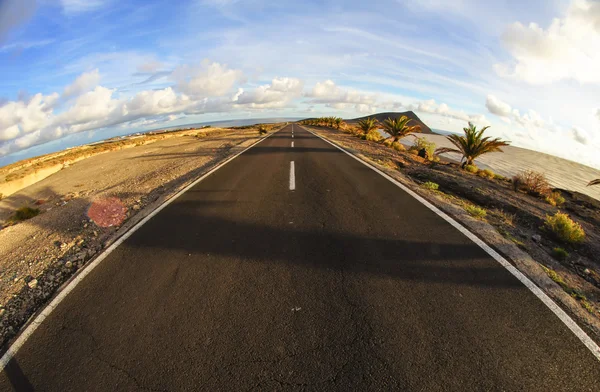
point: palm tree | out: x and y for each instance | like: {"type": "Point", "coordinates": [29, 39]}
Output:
{"type": "Point", "coordinates": [398, 127]}
{"type": "Point", "coordinates": [367, 125]}
{"type": "Point", "coordinates": [472, 145]}
{"type": "Point", "coordinates": [338, 122]}
{"type": "Point", "coordinates": [594, 182]}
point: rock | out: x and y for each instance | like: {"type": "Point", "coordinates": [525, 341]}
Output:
{"type": "Point", "coordinates": [32, 283]}
{"type": "Point", "coordinates": [587, 271]}
{"type": "Point", "coordinates": [68, 264]}
{"type": "Point", "coordinates": [2, 312]}
{"type": "Point", "coordinates": [136, 207]}
{"type": "Point", "coordinates": [536, 237]}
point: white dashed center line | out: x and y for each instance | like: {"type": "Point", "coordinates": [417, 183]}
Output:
{"type": "Point", "coordinates": [292, 144]}
{"type": "Point", "coordinates": [292, 177]}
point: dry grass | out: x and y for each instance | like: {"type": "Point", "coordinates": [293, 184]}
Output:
{"type": "Point", "coordinates": [532, 182]}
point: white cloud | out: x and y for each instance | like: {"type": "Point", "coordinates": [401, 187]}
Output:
{"type": "Point", "coordinates": [432, 107]}
{"type": "Point", "coordinates": [22, 117]}
{"type": "Point", "coordinates": [568, 49]}
{"type": "Point", "coordinates": [82, 84]}
{"type": "Point", "coordinates": [497, 107]}
{"type": "Point", "coordinates": [277, 94]}
{"type": "Point", "coordinates": [507, 113]}
{"type": "Point", "coordinates": [209, 79]}
{"type": "Point", "coordinates": [580, 136]}
{"type": "Point", "coordinates": [328, 92]}
{"type": "Point", "coordinates": [598, 114]}
{"type": "Point", "coordinates": [13, 13]}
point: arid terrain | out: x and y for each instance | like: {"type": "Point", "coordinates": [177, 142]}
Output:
{"type": "Point", "coordinates": [561, 173]}
{"type": "Point", "coordinates": [86, 205]}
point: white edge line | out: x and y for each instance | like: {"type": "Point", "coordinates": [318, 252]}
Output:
{"type": "Point", "coordinates": [292, 177]}
{"type": "Point", "coordinates": [561, 314]}
{"type": "Point", "coordinates": [14, 348]}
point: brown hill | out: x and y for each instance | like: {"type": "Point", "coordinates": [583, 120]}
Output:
{"type": "Point", "coordinates": [383, 116]}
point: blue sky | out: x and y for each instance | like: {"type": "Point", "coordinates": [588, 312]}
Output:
{"type": "Point", "coordinates": [76, 70]}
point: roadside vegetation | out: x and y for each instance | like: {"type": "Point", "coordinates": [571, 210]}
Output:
{"type": "Point", "coordinates": [472, 145]}
{"type": "Point", "coordinates": [560, 229]}
{"type": "Point", "coordinates": [22, 214]}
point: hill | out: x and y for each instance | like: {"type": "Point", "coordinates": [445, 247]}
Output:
{"type": "Point", "coordinates": [383, 116]}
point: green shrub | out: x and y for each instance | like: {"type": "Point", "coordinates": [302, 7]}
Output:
{"type": "Point", "coordinates": [387, 143]}
{"type": "Point", "coordinates": [422, 143]}
{"type": "Point", "coordinates": [398, 146]}
{"type": "Point", "coordinates": [486, 173]}
{"type": "Point", "coordinates": [560, 254]}
{"type": "Point", "coordinates": [373, 136]}
{"type": "Point", "coordinates": [499, 177]}
{"type": "Point", "coordinates": [262, 129]}
{"type": "Point", "coordinates": [1, 196]}
{"type": "Point", "coordinates": [22, 214]}
{"type": "Point", "coordinates": [432, 186]}
{"type": "Point", "coordinates": [555, 199]}
{"type": "Point", "coordinates": [475, 211]}
{"type": "Point", "coordinates": [564, 228]}
{"type": "Point", "coordinates": [471, 169]}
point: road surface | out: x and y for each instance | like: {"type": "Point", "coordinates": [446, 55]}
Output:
{"type": "Point", "coordinates": [343, 283]}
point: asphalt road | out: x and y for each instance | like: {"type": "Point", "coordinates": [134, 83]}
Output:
{"type": "Point", "coordinates": [345, 283]}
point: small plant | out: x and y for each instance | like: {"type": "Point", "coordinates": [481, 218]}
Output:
{"type": "Point", "coordinates": [398, 146]}
{"type": "Point", "coordinates": [564, 228]}
{"type": "Point", "coordinates": [486, 173]}
{"type": "Point", "coordinates": [1, 196]}
{"type": "Point", "coordinates": [387, 143]}
{"type": "Point", "coordinates": [23, 214]}
{"type": "Point", "coordinates": [499, 177]}
{"type": "Point", "coordinates": [532, 182]}
{"type": "Point", "coordinates": [471, 169]}
{"type": "Point", "coordinates": [476, 212]}
{"type": "Point", "coordinates": [555, 199]}
{"type": "Point", "coordinates": [432, 186]}
{"type": "Point", "coordinates": [262, 129]}
{"type": "Point", "coordinates": [560, 254]}
{"type": "Point", "coordinates": [372, 136]}
{"type": "Point", "coordinates": [424, 148]}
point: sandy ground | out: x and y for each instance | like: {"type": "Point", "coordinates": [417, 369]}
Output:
{"type": "Point", "coordinates": [560, 172]}
{"type": "Point", "coordinates": [84, 205]}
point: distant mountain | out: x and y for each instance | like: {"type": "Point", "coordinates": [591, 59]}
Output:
{"type": "Point", "coordinates": [383, 116]}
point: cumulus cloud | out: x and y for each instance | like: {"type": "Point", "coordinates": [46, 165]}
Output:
{"type": "Point", "coordinates": [82, 84]}
{"type": "Point", "coordinates": [507, 113]}
{"type": "Point", "coordinates": [18, 118]}
{"type": "Point", "coordinates": [31, 121]}
{"type": "Point", "coordinates": [328, 92]}
{"type": "Point", "coordinates": [209, 79]}
{"type": "Point", "coordinates": [598, 114]}
{"type": "Point", "coordinates": [533, 122]}
{"type": "Point", "coordinates": [567, 49]}
{"type": "Point", "coordinates": [14, 13]}
{"type": "Point", "coordinates": [277, 94]}
{"type": "Point", "coordinates": [432, 107]}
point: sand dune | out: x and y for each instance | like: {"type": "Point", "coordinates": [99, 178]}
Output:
{"type": "Point", "coordinates": [561, 173]}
